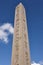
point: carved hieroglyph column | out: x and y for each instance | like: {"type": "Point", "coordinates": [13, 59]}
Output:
{"type": "Point", "coordinates": [20, 47]}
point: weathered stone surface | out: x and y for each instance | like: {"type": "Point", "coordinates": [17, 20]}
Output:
{"type": "Point", "coordinates": [20, 47]}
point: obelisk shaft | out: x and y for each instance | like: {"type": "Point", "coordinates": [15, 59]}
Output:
{"type": "Point", "coordinates": [20, 47]}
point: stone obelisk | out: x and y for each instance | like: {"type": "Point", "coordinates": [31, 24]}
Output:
{"type": "Point", "coordinates": [20, 47]}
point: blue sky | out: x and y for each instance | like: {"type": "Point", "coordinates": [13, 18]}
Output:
{"type": "Point", "coordinates": [34, 14]}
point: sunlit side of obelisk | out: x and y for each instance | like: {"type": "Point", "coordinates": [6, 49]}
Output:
{"type": "Point", "coordinates": [20, 47]}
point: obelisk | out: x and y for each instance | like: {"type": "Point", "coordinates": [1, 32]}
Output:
{"type": "Point", "coordinates": [20, 46]}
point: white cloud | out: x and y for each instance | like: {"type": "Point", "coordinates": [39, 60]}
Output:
{"type": "Point", "coordinates": [34, 63]}
{"type": "Point", "coordinates": [8, 27]}
{"type": "Point", "coordinates": [4, 34]}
